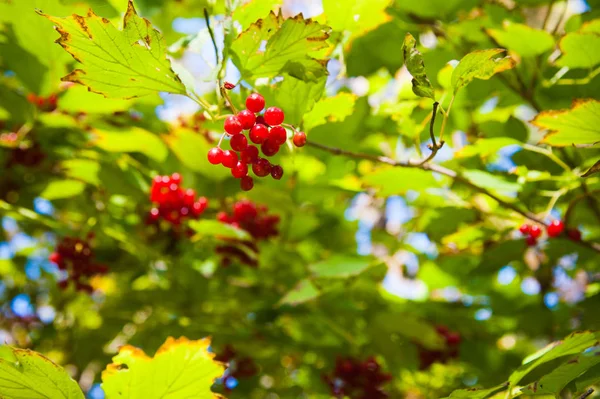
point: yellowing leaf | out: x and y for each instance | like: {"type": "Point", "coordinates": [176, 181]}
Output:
{"type": "Point", "coordinates": [180, 369]}
{"type": "Point", "coordinates": [125, 63]}
{"type": "Point", "coordinates": [538, 41]}
{"type": "Point", "coordinates": [62, 189]}
{"type": "Point", "coordinates": [479, 64]}
{"type": "Point", "coordinates": [578, 125]}
{"type": "Point", "coordinates": [357, 17]}
{"type": "Point", "coordinates": [246, 14]}
{"type": "Point", "coordinates": [29, 375]}
{"type": "Point", "coordinates": [413, 59]}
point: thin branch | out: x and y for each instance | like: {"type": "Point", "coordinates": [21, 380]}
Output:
{"type": "Point", "coordinates": [548, 13]}
{"type": "Point", "coordinates": [434, 147]}
{"type": "Point", "coordinates": [212, 35]}
{"type": "Point", "coordinates": [446, 115]}
{"type": "Point", "coordinates": [228, 101]}
{"type": "Point", "coordinates": [561, 19]}
{"type": "Point", "coordinates": [587, 393]}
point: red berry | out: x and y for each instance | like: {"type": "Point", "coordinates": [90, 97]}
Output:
{"type": "Point", "coordinates": [176, 178]}
{"type": "Point", "coordinates": [246, 183]}
{"type": "Point", "coordinates": [278, 135]}
{"type": "Point", "coordinates": [574, 234]}
{"type": "Point", "coordinates": [261, 119]}
{"type": "Point", "coordinates": [239, 170]}
{"type": "Point", "coordinates": [274, 116]}
{"type": "Point", "coordinates": [199, 206]}
{"type": "Point", "coordinates": [230, 158]}
{"type": "Point", "coordinates": [535, 231]}
{"type": "Point", "coordinates": [32, 98]}
{"type": "Point", "coordinates": [189, 196]}
{"type": "Point", "coordinates": [255, 102]}
{"type": "Point", "coordinates": [154, 214]}
{"type": "Point", "coordinates": [261, 167]}
{"type": "Point", "coordinates": [249, 155]}
{"type": "Point", "coordinates": [215, 155]}
{"type": "Point", "coordinates": [55, 258]}
{"type": "Point", "coordinates": [453, 338]}
{"type": "Point", "coordinates": [269, 147]}
{"type": "Point", "coordinates": [531, 241]}
{"type": "Point", "coordinates": [276, 172]}
{"type": "Point", "coordinates": [239, 142]}
{"type": "Point", "coordinates": [525, 228]}
{"type": "Point", "coordinates": [232, 125]}
{"type": "Point", "coordinates": [246, 118]}
{"type": "Point", "coordinates": [229, 86]}
{"type": "Point", "coordinates": [299, 139]}
{"type": "Point", "coordinates": [259, 133]}
{"type": "Point", "coordinates": [555, 228]}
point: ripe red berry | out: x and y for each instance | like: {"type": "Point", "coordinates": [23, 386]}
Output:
{"type": "Point", "coordinates": [299, 139]}
{"type": "Point", "coordinates": [535, 231]}
{"type": "Point", "coordinates": [32, 98]}
{"type": "Point", "coordinates": [274, 116]}
{"type": "Point", "coordinates": [229, 86]}
{"type": "Point", "coordinates": [269, 147]}
{"type": "Point", "coordinates": [239, 170]}
{"type": "Point", "coordinates": [232, 125]}
{"type": "Point", "coordinates": [189, 196]}
{"type": "Point", "coordinates": [276, 172]}
{"type": "Point", "coordinates": [255, 102]}
{"type": "Point", "coordinates": [215, 155]}
{"type": "Point", "coordinates": [229, 158]}
{"type": "Point", "coordinates": [261, 167]}
{"type": "Point", "coordinates": [176, 178]}
{"type": "Point", "coordinates": [239, 142]}
{"type": "Point", "coordinates": [261, 119]}
{"type": "Point", "coordinates": [55, 258]}
{"type": "Point", "coordinates": [246, 183]}
{"type": "Point", "coordinates": [199, 206]}
{"type": "Point", "coordinates": [278, 135]}
{"type": "Point", "coordinates": [249, 155]}
{"type": "Point", "coordinates": [246, 118]}
{"type": "Point", "coordinates": [531, 241]}
{"type": "Point", "coordinates": [259, 133]}
{"type": "Point", "coordinates": [525, 228]}
{"type": "Point", "coordinates": [555, 228]}
{"type": "Point", "coordinates": [574, 234]}
{"type": "Point", "coordinates": [453, 338]}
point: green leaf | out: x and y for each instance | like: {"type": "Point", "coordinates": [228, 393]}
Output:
{"type": "Point", "coordinates": [29, 375]}
{"type": "Point", "coordinates": [474, 393]}
{"type": "Point", "coordinates": [62, 189]}
{"type": "Point", "coordinates": [579, 50]}
{"type": "Point", "coordinates": [589, 378]}
{"type": "Point", "coordinates": [357, 17]}
{"type": "Point", "coordinates": [578, 125]}
{"type": "Point", "coordinates": [85, 170]}
{"type": "Point", "coordinates": [131, 139]}
{"type": "Point", "coordinates": [251, 11]}
{"type": "Point", "coordinates": [400, 180]}
{"type": "Point", "coordinates": [571, 345]}
{"type": "Point", "coordinates": [330, 109]}
{"type": "Point", "coordinates": [491, 181]}
{"type": "Point", "coordinates": [214, 228]}
{"type": "Point", "coordinates": [523, 39]}
{"type": "Point", "coordinates": [294, 40]}
{"type": "Point", "coordinates": [594, 169]}
{"type": "Point", "coordinates": [79, 99]}
{"type": "Point", "coordinates": [304, 291]}
{"type": "Point", "coordinates": [340, 266]}
{"type": "Point", "coordinates": [413, 59]}
{"type": "Point", "coordinates": [479, 64]}
{"type": "Point", "coordinates": [486, 147]}
{"type": "Point", "coordinates": [125, 63]}
{"type": "Point", "coordinates": [557, 380]}
{"type": "Point", "coordinates": [180, 369]}
{"type": "Point", "coordinates": [296, 97]}
{"type": "Point", "coordinates": [409, 326]}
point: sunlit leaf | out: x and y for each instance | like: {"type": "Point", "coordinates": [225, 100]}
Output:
{"type": "Point", "coordinates": [330, 109]}
{"type": "Point", "coordinates": [479, 64]}
{"type": "Point", "coordinates": [132, 139]}
{"type": "Point", "coordinates": [296, 97]}
{"type": "Point", "coordinates": [486, 147]}
{"type": "Point", "coordinates": [358, 17]}
{"type": "Point", "coordinates": [594, 169]}
{"type": "Point", "coordinates": [251, 11]}
{"type": "Point", "coordinates": [62, 189]}
{"type": "Point", "coordinates": [214, 228]}
{"type": "Point", "coordinates": [580, 49]}
{"type": "Point", "coordinates": [491, 181]}
{"type": "Point", "coordinates": [413, 59]}
{"type": "Point", "coordinates": [304, 291]}
{"type": "Point", "coordinates": [578, 125]}
{"type": "Point", "coordinates": [340, 266]}
{"type": "Point", "coordinates": [399, 180]}
{"type": "Point", "coordinates": [475, 393]}
{"type": "Point", "coordinates": [523, 39]}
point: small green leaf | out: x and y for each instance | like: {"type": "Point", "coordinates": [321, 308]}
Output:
{"type": "Point", "coordinates": [357, 17]}
{"type": "Point", "coordinates": [474, 393]}
{"type": "Point", "coordinates": [249, 12]}
{"type": "Point", "coordinates": [589, 378]}
{"type": "Point", "coordinates": [214, 228]}
{"type": "Point", "coordinates": [413, 59]}
{"type": "Point", "coordinates": [297, 97]}
{"type": "Point", "coordinates": [330, 109]}
{"type": "Point", "coordinates": [594, 169]}
{"type": "Point", "coordinates": [400, 180]}
{"type": "Point", "coordinates": [29, 375]}
{"type": "Point", "coordinates": [304, 291]}
{"type": "Point", "coordinates": [486, 147]}
{"type": "Point", "coordinates": [340, 266]}
{"type": "Point", "coordinates": [580, 49]}
{"type": "Point", "coordinates": [62, 189]}
{"type": "Point", "coordinates": [117, 63]}
{"type": "Point", "coordinates": [491, 181]}
{"type": "Point", "coordinates": [536, 41]}
{"type": "Point", "coordinates": [578, 125]}
{"type": "Point", "coordinates": [79, 99]}
{"type": "Point", "coordinates": [85, 170]}
{"type": "Point", "coordinates": [180, 369]}
{"type": "Point", "coordinates": [479, 64]}
{"type": "Point", "coordinates": [132, 139]}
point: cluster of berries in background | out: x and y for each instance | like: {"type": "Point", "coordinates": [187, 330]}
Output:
{"type": "Point", "coordinates": [452, 341]}
{"type": "Point", "coordinates": [47, 104]}
{"type": "Point", "coordinates": [172, 203]}
{"type": "Point", "coordinates": [554, 229]}
{"type": "Point", "coordinates": [75, 256]}
{"type": "Point", "coordinates": [256, 220]}
{"type": "Point", "coordinates": [265, 131]}
{"type": "Point", "coordinates": [239, 367]}
{"type": "Point", "coordinates": [357, 379]}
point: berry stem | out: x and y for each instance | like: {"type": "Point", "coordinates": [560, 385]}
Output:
{"type": "Point", "coordinates": [446, 115]}
{"type": "Point", "coordinates": [228, 101]}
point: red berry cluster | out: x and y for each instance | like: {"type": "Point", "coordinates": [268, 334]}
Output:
{"type": "Point", "coordinates": [554, 229]}
{"type": "Point", "coordinates": [256, 221]}
{"type": "Point", "coordinates": [357, 379]}
{"type": "Point", "coordinates": [76, 257]}
{"type": "Point", "coordinates": [27, 156]}
{"type": "Point", "coordinates": [173, 203]}
{"type": "Point", "coordinates": [264, 130]}
{"type": "Point", "coordinates": [428, 357]}
{"type": "Point", "coordinates": [238, 366]}
{"type": "Point", "coordinates": [47, 104]}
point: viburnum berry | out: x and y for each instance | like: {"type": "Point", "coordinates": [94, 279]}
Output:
{"type": "Point", "coordinates": [352, 378]}
{"type": "Point", "coordinates": [261, 120]}
{"type": "Point", "coordinates": [249, 155]}
{"type": "Point", "coordinates": [427, 357]}
{"type": "Point", "coordinates": [239, 170]}
{"type": "Point", "coordinates": [276, 172]}
{"type": "Point", "coordinates": [299, 139]}
{"type": "Point", "coordinates": [269, 147]}
{"type": "Point", "coordinates": [246, 183]}
{"type": "Point", "coordinates": [535, 231]}
{"type": "Point", "coordinates": [262, 167]}
{"type": "Point", "coordinates": [189, 197]}
{"type": "Point", "coordinates": [255, 102]}
{"type": "Point", "coordinates": [274, 116]}
{"type": "Point", "coordinates": [259, 133]}
{"type": "Point", "coordinates": [229, 158]}
{"type": "Point", "coordinates": [232, 125]}
{"type": "Point", "coordinates": [531, 241]}
{"type": "Point", "coordinates": [246, 118]}
{"type": "Point", "coordinates": [278, 135]}
{"type": "Point", "coordinates": [574, 234]}
{"type": "Point", "coordinates": [555, 228]}
{"type": "Point", "coordinates": [215, 156]}
{"type": "Point", "coordinates": [229, 86]}
{"type": "Point", "coordinates": [239, 142]}
{"type": "Point", "coordinates": [525, 228]}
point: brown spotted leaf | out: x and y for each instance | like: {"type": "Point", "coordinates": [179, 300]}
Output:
{"type": "Point", "coordinates": [480, 64]}
{"type": "Point", "coordinates": [126, 63]}
{"type": "Point", "coordinates": [579, 125]}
